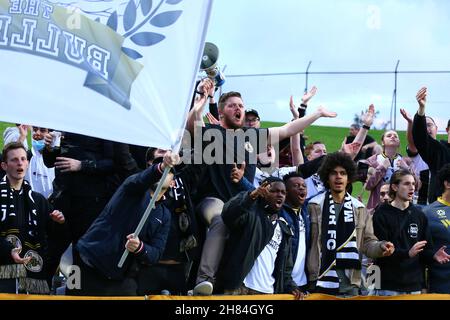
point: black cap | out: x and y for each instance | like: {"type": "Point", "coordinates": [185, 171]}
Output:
{"type": "Point", "coordinates": [252, 111]}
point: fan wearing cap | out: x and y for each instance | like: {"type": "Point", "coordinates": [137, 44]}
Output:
{"type": "Point", "coordinates": [252, 119]}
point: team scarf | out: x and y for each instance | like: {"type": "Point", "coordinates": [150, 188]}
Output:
{"type": "Point", "coordinates": [25, 235]}
{"type": "Point", "coordinates": [339, 247]}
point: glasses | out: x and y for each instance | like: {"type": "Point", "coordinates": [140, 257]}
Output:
{"type": "Point", "coordinates": [252, 120]}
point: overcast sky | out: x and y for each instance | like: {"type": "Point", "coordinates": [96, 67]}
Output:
{"type": "Point", "coordinates": [262, 36]}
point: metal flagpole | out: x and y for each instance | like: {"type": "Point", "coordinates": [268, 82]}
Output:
{"type": "Point", "coordinates": [149, 209]}
{"type": "Point", "coordinates": [151, 205]}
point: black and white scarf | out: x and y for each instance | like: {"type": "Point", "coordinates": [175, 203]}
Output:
{"type": "Point", "coordinates": [26, 236]}
{"type": "Point", "coordinates": [339, 247]}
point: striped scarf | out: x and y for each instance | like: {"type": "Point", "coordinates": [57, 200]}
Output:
{"type": "Point", "coordinates": [26, 235]}
{"type": "Point", "coordinates": [339, 247]}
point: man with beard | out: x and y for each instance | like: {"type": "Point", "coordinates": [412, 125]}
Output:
{"type": "Point", "coordinates": [257, 258]}
{"type": "Point", "coordinates": [218, 188]}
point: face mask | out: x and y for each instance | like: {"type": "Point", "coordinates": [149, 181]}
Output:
{"type": "Point", "coordinates": [38, 144]}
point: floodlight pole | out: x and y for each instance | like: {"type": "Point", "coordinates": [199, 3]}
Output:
{"type": "Point", "coordinates": [395, 95]}
{"type": "Point", "coordinates": [306, 76]}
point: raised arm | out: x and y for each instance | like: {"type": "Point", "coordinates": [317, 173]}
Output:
{"type": "Point", "coordinates": [367, 120]}
{"type": "Point", "coordinates": [195, 114]}
{"type": "Point", "coordinates": [277, 134]}
{"type": "Point", "coordinates": [409, 135]}
{"type": "Point", "coordinates": [296, 152]}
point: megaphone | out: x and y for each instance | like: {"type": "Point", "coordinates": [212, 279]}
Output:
{"type": "Point", "coordinates": [209, 64]}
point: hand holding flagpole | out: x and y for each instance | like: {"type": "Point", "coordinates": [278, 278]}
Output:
{"type": "Point", "coordinates": [170, 160]}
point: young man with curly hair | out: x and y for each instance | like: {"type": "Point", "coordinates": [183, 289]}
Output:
{"type": "Point", "coordinates": [341, 231]}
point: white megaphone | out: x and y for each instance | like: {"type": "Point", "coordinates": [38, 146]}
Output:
{"type": "Point", "coordinates": [209, 64]}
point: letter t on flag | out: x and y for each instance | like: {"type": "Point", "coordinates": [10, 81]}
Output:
{"type": "Point", "coordinates": [118, 70]}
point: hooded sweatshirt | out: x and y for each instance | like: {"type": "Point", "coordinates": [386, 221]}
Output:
{"type": "Point", "coordinates": [403, 228]}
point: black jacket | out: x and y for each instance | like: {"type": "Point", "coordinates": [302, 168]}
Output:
{"type": "Point", "coordinates": [403, 228]}
{"type": "Point", "coordinates": [104, 165]}
{"type": "Point", "coordinates": [435, 153]}
{"type": "Point", "coordinates": [103, 244]}
{"type": "Point", "coordinates": [250, 231]}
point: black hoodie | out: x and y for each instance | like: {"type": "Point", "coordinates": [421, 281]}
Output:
{"type": "Point", "coordinates": [403, 228]}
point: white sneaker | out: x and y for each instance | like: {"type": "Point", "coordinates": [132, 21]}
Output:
{"type": "Point", "coordinates": [204, 288]}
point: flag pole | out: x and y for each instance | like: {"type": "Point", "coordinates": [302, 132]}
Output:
{"type": "Point", "coordinates": [146, 213]}
{"type": "Point", "coordinates": [151, 205]}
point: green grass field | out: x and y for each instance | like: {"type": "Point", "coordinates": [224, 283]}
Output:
{"type": "Point", "coordinates": [332, 137]}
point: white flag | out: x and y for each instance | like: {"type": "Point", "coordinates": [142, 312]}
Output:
{"type": "Point", "coordinates": [118, 70]}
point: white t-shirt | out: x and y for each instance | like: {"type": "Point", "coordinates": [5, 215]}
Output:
{"type": "Point", "coordinates": [260, 277]}
{"type": "Point", "coordinates": [298, 272]}
{"type": "Point", "coordinates": [39, 176]}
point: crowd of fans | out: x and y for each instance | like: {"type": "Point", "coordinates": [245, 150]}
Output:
{"type": "Point", "coordinates": [264, 215]}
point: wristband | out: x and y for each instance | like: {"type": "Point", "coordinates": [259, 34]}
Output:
{"type": "Point", "coordinates": [200, 93]}
{"type": "Point", "coordinates": [366, 127]}
{"type": "Point", "coordinates": [304, 106]}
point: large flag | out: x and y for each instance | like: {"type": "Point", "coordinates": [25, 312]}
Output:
{"type": "Point", "coordinates": [122, 70]}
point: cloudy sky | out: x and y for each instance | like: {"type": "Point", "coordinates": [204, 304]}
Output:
{"type": "Point", "coordinates": [263, 36]}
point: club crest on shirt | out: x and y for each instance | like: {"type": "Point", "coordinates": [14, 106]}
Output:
{"type": "Point", "coordinates": [413, 230]}
{"type": "Point", "coordinates": [441, 213]}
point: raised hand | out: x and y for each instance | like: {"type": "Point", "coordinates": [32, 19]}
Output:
{"type": "Point", "coordinates": [325, 113]}
{"type": "Point", "coordinates": [170, 159]}
{"type": "Point", "coordinates": [267, 157]}
{"type": "Point", "coordinates": [441, 256]}
{"type": "Point", "coordinates": [307, 96]}
{"type": "Point", "coordinates": [368, 117]}
{"type": "Point", "coordinates": [351, 148]}
{"type": "Point", "coordinates": [205, 87]}
{"type": "Point", "coordinates": [406, 115]}
{"type": "Point", "coordinates": [293, 108]}
{"type": "Point", "coordinates": [421, 97]}
{"type": "Point", "coordinates": [212, 119]}
{"type": "Point", "coordinates": [261, 192]}
{"type": "Point", "coordinates": [23, 130]}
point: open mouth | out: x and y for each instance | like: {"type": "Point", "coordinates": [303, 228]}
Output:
{"type": "Point", "coordinates": [20, 171]}
{"type": "Point", "coordinates": [279, 202]}
{"type": "Point", "coordinates": [410, 194]}
{"type": "Point", "coordinates": [237, 115]}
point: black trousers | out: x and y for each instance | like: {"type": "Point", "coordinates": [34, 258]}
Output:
{"type": "Point", "coordinates": [79, 212]}
{"type": "Point", "coordinates": [93, 283]}
{"type": "Point", "coordinates": [154, 279]}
